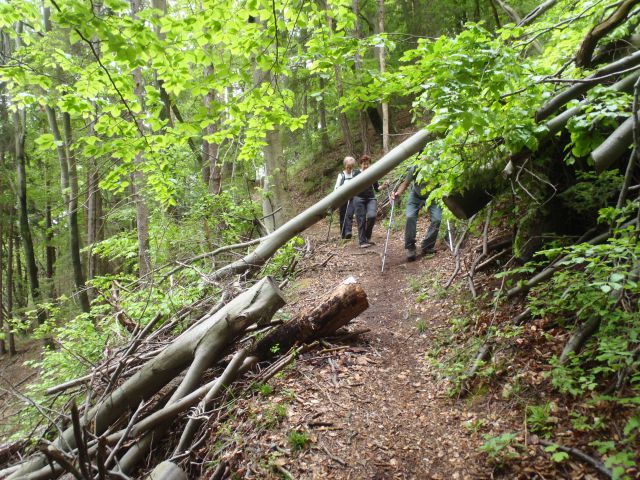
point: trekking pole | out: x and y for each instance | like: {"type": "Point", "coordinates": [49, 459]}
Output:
{"type": "Point", "coordinates": [344, 221]}
{"type": "Point", "coordinates": [450, 236]}
{"type": "Point", "coordinates": [386, 242]}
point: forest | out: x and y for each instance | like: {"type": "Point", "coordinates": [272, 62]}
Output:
{"type": "Point", "coordinates": [170, 275]}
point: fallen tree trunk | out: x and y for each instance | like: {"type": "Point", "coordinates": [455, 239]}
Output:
{"type": "Point", "coordinates": [336, 310]}
{"type": "Point", "coordinates": [549, 271]}
{"type": "Point", "coordinates": [614, 146]}
{"type": "Point", "coordinates": [558, 122]}
{"type": "Point", "coordinates": [199, 347]}
{"type": "Point", "coordinates": [272, 242]}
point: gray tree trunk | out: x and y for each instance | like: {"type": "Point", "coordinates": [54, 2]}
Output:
{"type": "Point", "coordinates": [139, 182]}
{"type": "Point", "coordinates": [254, 260]}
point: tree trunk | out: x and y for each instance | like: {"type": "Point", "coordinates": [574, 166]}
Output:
{"type": "Point", "coordinates": [332, 312]}
{"type": "Point", "coordinates": [19, 120]}
{"type": "Point", "coordinates": [95, 232]}
{"type": "Point", "coordinates": [50, 249]}
{"type": "Point", "coordinates": [8, 332]}
{"type": "Point", "coordinates": [362, 115]}
{"type": "Point", "coordinates": [139, 182]}
{"type": "Point", "coordinates": [3, 349]}
{"type": "Point", "coordinates": [385, 105]}
{"type": "Point", "coordinates": [213, 176]}
{"type": "Point", "coordinates": [74, 229]}
{"type": "Point", "coordinates": [317, 212]}
{"type": "Point", "coordinates": [342, 117]}
{"type": "Point", "coordinates": [322, 115]}
{"type": "Point", "coordinates": [275, 199]}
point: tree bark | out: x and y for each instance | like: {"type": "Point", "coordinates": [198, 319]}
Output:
{"type": "Point", "coordinates": [333, 311]}
{"type": "Point", "coordinates": [19, 120]}
{"type": "Point", "coordinates": [322, 114]}
{"type": "Point", "coordinates": [614, 146]}
{"type": "Point", "coordinates": [381, 59]}
{"type": "Point", "coordinates": [8, 332]}
{"type": "Point", "coordinates": [74, 229]}
{"type": "Point", "coordinates": [587, 83]}
{"type": "Point", "coordinates": [210, 150]}
{"type": "Point", "coordinates": [49, 249]}
{"type": "Point", "coordinates": [3, 349]}
{"type": "Point", "coordinates": [536, 12]}
{"type": "Point", "coordinates": [362, 115]}
{"type": "Point", "coordinates": [139, 182]}
{"type": "Point", "coordinates": [342, 117]}
{"type": "Point", "coordinates": [95, 232]}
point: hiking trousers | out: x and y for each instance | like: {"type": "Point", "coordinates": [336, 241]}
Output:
{"type": "Point", "coordinates": [414, 204]}
{"type": "Point", "coordinates": [346, 219]}
{"type": "Point", "coordinates": [366, 209]}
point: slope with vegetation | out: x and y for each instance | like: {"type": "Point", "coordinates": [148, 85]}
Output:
{"type": "Point", "coordinates": [146, 147]}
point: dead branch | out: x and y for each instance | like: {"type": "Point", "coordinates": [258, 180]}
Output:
{"type": "Point", "coordinates": [553, 267]}
{"type": "Point", "coordinates": [536, 12]}
{"type": "Point", "coordinates": [580, 337]}
{"type": "Point", "coordinates": [456, 254]}
{"type": "Point", "coordinates": [558, 122]}
{"type": "Point", "coordinates": [227, 377]}
{"type": "Point", "coordinates": [578, 90]}
{"type": "Point", "coordinates": [483, 353]}
{"type": "Point", "coordinates": [591, 39]}
{"type": "Point", "coordinates": [580, 455]}
{"type": "Point", "coordinates": [185, 263]}
{"type": "Point", "coordinates": [485, 249]}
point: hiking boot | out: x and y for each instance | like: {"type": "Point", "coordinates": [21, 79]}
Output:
{"type": "Point", "coordinates": [365, 245]}
{"type": "Point", "coordinates": [411, 254]}
{"type": "Point", "coordinates": [347, 236]}
{"type": "Point", "coordinates": [428, 251]}
{"type": "Point", "coordinates": [371, 242]}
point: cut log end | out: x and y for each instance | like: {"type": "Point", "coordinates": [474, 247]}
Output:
{"type": "Point", "coordinates": [344, 303]}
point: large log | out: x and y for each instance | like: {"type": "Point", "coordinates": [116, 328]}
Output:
{"type": "Point", "coordinates": [272, 242]}
{"type": "Point", "coordinates": [334, 311]}
{"type": "Point", "coordinates": [198, 348]}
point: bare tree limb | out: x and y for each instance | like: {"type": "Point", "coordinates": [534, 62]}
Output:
{"type": "Point", "coordinates": [591, 39]}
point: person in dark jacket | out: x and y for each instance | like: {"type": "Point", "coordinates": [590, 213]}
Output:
{"type": "Point", "coordinates": [347, 209]}
{"type": "Point", "coordinates": [417, 198]}
{"type": "Point", "coordinates": [366, 207]}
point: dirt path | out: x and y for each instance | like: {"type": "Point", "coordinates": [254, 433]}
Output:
{"type": "Point", "coordinates": [374, 409]}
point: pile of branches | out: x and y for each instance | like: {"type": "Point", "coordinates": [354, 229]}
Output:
{"type": "Point", "coordinates": [141, 392]}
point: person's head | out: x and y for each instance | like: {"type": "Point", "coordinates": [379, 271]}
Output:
{"type": "Point", "coordinates": [349, 163]}
{"type": "Point", "coordinates": [365, 162]}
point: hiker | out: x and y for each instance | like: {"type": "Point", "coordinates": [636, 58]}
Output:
{"type": "Point", "coordinates": [346, 210]}
{"type": "Point", "coordinates": [417, 199]}
{"type": "Point", "coordinates": [366, 207]}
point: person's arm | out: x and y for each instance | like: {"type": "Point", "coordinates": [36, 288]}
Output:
{"type": "Point", "coordinates": [403, 186]}
{"type": "Point", "coordinates": [338, 182]}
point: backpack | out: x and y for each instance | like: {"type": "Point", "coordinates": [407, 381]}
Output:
{"type": "Point", "coordinates": [343, 177]}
